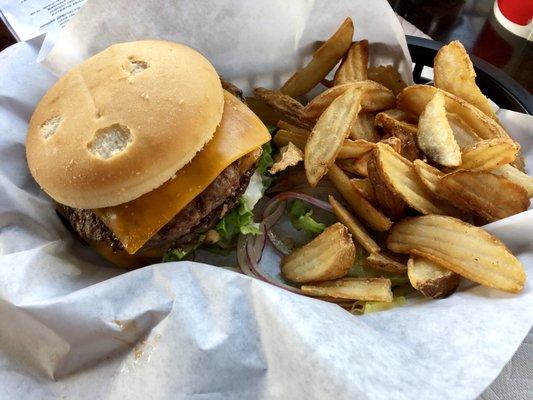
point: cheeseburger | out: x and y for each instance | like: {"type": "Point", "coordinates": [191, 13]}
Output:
{"type": "Point", "coordinates": [143, 150]}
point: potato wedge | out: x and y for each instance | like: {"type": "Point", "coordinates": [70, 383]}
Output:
{"type": "Point", "coordinates": [414, 98]}
{"type": "Point", "coordinates": [405, 131]}
{"type": "Point", "coordinates": [453, 71]}
{"type": "Point", "coordinates": [328, 256]}
{"type": "Point", "coordinates": [293, 128]}
{"type": "Point", "coordinates": [327, 82]}
{"type": "Point", "coordinates": [490, 154]}
{"type": "Point", "coordinates": [490, 196]}
{"type": "Point", "coordinates": [375, 97]}
{"type": "Point", "coordinates": [390, 203]}
{"type": "Point", "coordinates": [285, 105]}
{"type": "Point", "coordinates": [400, 115]}
{"type": "Point", "coordinates": [359, 205]}
{"type": "Point", "coordinates": [355, 65]}
{"type": "Point", "coordinates": [435, 137]}
{"type": "Point", "coordinates": [266, 113]}
{"type": "Point", "coordinates": [324, 59]}
{"type": "Point", "coordinates": [430, 176]}
{"type": "Point", "coordinates": [516, 176]}
{"type": "Point", "coordinates": [283, 138]}
{"type": "Point", "coordinates": [349, 149]}
{"type": "Point", "coordinates": [393, 142]}
{"type": "Point", "coordinates": [364, 186]}
{"type": "Point", "coordinates": [366, 289]}
{"type": "Point", "coordinates": [463, 134]}
{"type": "Point", "coordinates": [400, 177]}
{"type": "Point", "coordinates": [329, 133]}
{"type": "Point", "coordinates": [430, 279]}
{"type": "Point", "coordinates": [382, 260]}
{"type": "Point", "coordinates": [288, 156]}
{"type": "Point", "coordinates": [358, 166]}
{"type": "Point", "coordinates": [357, 230]}
{"type": "Point", "coordinates": [460, 247]}
{"type": "Point", "coordinates": [364, 128]}
{"type": "Point", "coordinates": [388, 77]}
{"type": "Point", "coordinates": [355, 148]}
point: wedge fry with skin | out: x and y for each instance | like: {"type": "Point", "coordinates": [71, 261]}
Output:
{"type": "Point", "coordinates": [488, 155]}
{"type": "Point", "coordinates": [357, 230]}
{"type": "Point", "coordinates": [288, 156]}
{"type": "Point", "coordinates": [453, 71]}
{"type": "Point", "coordinates": [327, 82]}
{"type": "Point", "coordinates": [328, 256]}
{"type": "Point", "coordinates": [266, 113]}
{"type": "Point", "coordinates": [519, 162]}
{"type": "Point", "coordinates": [355, 148]}
{"type": "Point", "coordinates": [401, 178]}
{"type": "Point", "coordinates": [364, 128]}
{"type": "Point", "coordinates": [400, 115]}
{"type": "Point", "coordinates": [285, 105]}
{"type": "Point", "coordinates": [435, 137]}
{"type": "Point", "coordinates": [358, 166]}
{"type": "Point", "coordinates": [365, 289]}
{"type": "Point", "coordinates": [375, 97]}
{"type": "Point", "coordinates": [382, 260]}
{"type": "Point", "coordinates": [430, 279]}
{"type": "Point", "coordinates": [390, 203]}
{"type": "Point", "coordinates": [430, 176]}
{"type": "Point", "coordinates": [393, 142]}
{"type": "Point", "coordinates": [355, 65]}
{"type": "Point", "coordinates": [364, 186]}
{"type": "Point", "coordinates": [463, 134]}
{"type": "Point", "coordinates": [402, 130]}
{"type": "Point", "coordinates": [414, 98]}
{"type": "Point", "coordinates": [516, 176]}
{"type": "Point", "coordinates": [283, 138]}
{"type": "Point", "coordinates": [490, 196]}
{"type": "Point", "coordinates": [388, 77]}
{"type": "Point", "coordinates": [328, 134]}
{"type": "Point", "coordinates": [324, 59]}
{"type": "Point", "coordinates": [293, 128]}
{"type": "Point", "coordinates": [362, 208]}
{"type": "Point", "coordinates": [460, 247]}
{"type": "Point", "coordinates": [349, 149]}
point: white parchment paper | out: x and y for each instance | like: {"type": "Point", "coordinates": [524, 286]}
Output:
{"type": "Point", "coordinates": [71, 328]}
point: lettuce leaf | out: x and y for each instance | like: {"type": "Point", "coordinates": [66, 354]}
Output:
{"type": "Point", "coordinates": [301, 218]}
{"type": "Point", "coordinates": [376, 306]}
{"type": "Point", "coordinates": [239, 220]}
{"type": "Point", "coordinates": [181, 253]}
{"type": "Point", "coordinates": [263, 165]}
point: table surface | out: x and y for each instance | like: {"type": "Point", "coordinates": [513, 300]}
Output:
{"type": "Point", "coordinates": [473, 23]}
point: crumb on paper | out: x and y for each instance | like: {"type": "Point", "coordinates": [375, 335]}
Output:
{"type": "Point", "coordinates": [139, 348]}
{"type": "Point", "coordinates": [288, 156]}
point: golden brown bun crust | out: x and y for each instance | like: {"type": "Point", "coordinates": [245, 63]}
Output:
{"type": "Point", "coordinates": [147, 106]}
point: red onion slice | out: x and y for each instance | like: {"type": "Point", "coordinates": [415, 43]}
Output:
{"type": "Point", "coordinates": [278, 243]}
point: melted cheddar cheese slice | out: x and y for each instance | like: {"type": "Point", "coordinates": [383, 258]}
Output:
{"type": "Point", "coordinates": [239, 133]}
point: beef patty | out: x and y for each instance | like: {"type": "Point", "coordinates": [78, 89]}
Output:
{"type": "Point", "coordinates": [200, 215]}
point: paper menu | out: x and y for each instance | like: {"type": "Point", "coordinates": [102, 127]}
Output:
{"type": "Point", "coordinates": [73, 329]}
{"type": "Point", "coordinates": [27, 19]}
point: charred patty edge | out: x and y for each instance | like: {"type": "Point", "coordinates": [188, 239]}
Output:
{"type": "Point", "coordinates": [212, 206]}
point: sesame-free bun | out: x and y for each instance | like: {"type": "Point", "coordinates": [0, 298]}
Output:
{"type": "Point", "coordinates": [123, 122]}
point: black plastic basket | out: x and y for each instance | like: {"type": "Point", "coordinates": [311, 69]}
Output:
{"type": "Point", "coordinates": [495, 84]}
